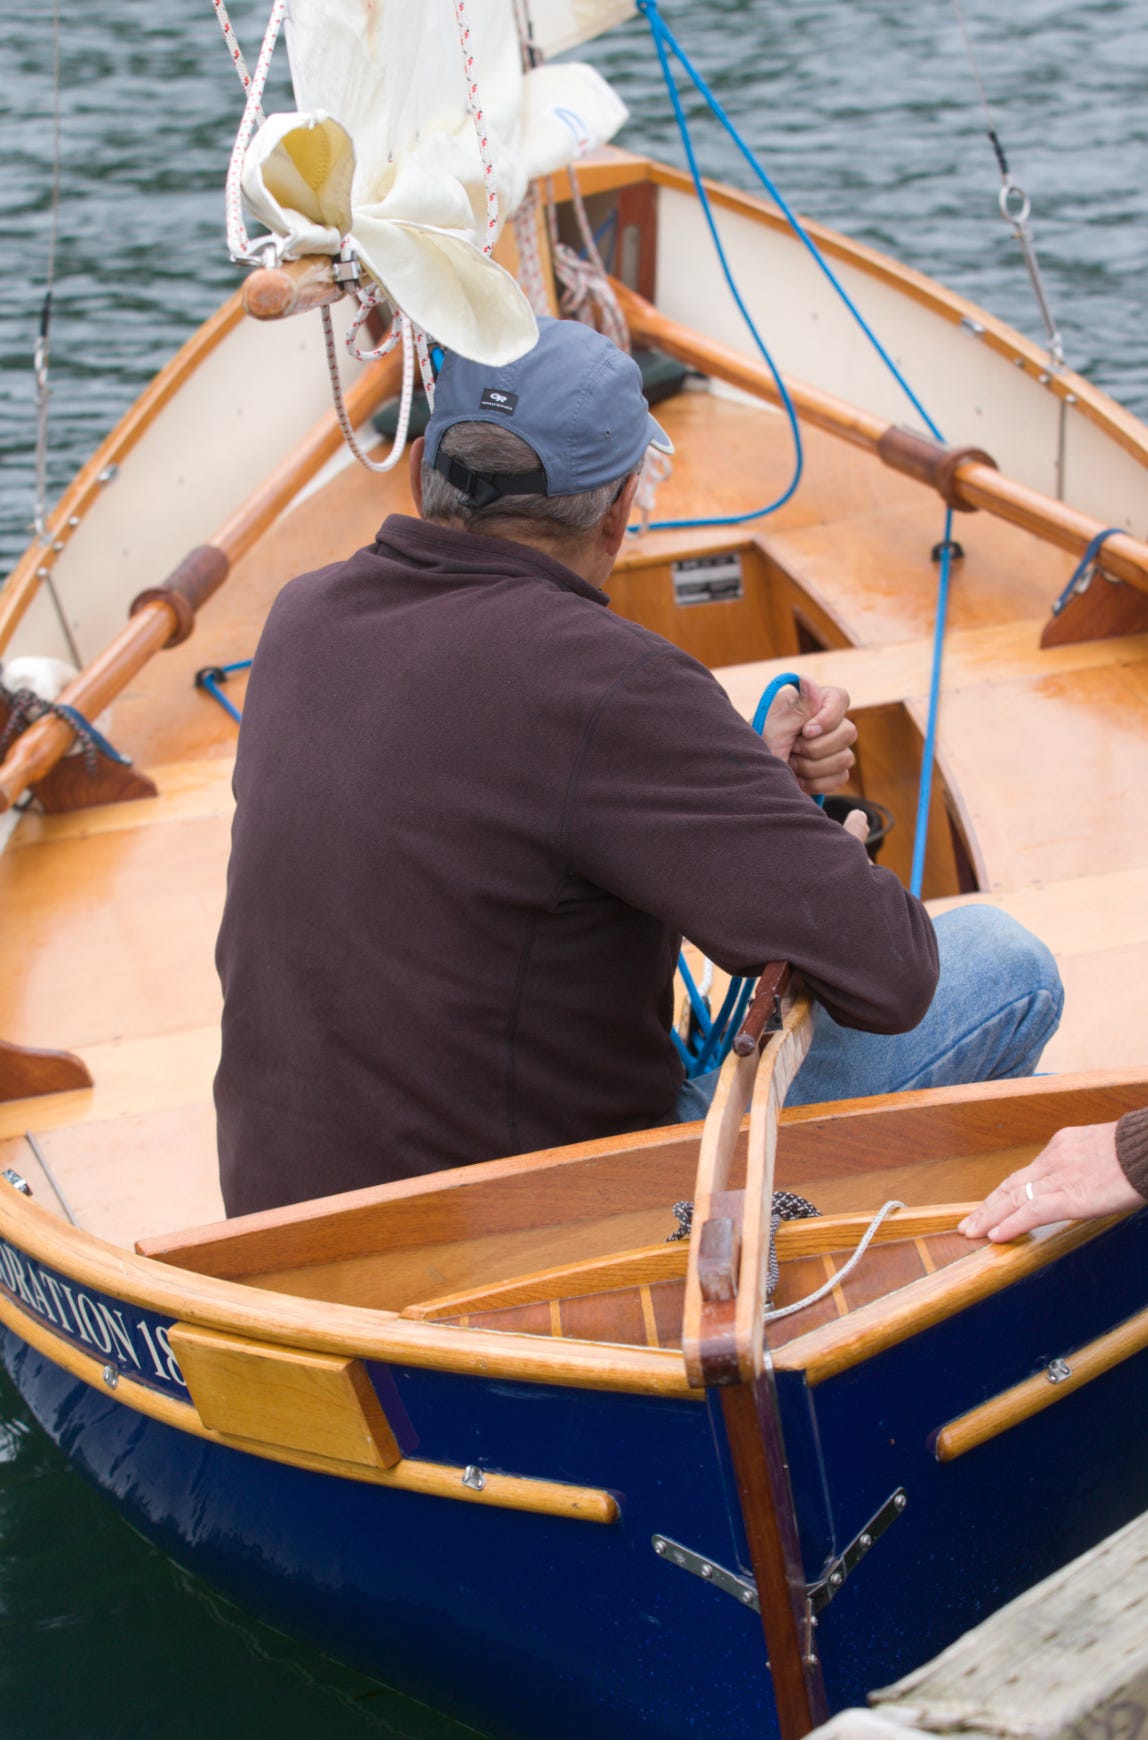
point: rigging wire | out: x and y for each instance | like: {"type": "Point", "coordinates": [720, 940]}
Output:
{"type": "Point", "coordinates": [42, 352]}
{"type": "Point", "coordinates": [1015, 205]}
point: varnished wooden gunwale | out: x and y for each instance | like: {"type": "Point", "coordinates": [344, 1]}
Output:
{"type": "Point", "coordinates": [836, 1347]}
{"type": "Point", "coordinates": [409, 1474]}
{"type": "Point", "coordinates": [209, 1303]}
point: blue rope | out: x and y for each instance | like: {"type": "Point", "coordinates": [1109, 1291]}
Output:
{"type": "Point", "coordinates": [716, 1034]}
{"type": "Point", "coordinates": [209, 679]}
{"type": "Point", "coordinates": [664, 39]}
{"type": "Point", "coordinates": [925, 789]}
{"type": "Point", "coordinates": [664, 36]}
{"type": "Point", "coordinates": [1084, 566]}
{"type": "Point", "coordinates": [661, 35]}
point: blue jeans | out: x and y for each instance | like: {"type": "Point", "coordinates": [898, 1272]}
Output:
{"type": "Point", "coordinates": [997, 1004]}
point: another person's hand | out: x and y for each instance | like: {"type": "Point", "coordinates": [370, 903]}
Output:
{"type": "Point", "coordinates": [1076, 1177]}
{"type": "Point", "coordinates": [809, 729]}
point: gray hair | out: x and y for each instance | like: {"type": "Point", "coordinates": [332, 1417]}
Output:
{"type": "Point", "coordinates": [485, 447]}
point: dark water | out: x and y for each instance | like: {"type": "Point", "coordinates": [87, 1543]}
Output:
{"type": "Point", "coordinates": [868, 117]}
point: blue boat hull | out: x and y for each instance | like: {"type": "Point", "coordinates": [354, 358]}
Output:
{"type": "Point", "coordinates": [529, 1625]}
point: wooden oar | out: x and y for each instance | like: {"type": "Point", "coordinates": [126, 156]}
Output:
{"type": "Point", "coordinates": [964, 477]}
{"type": "Point", "coordinates": [165, 615]}
{"type": "Point", "coordinates": [723, 1330]}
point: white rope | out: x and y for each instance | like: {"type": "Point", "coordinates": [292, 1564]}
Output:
{"type": "Point", "coordinates": [400, 440]}
{"type": "Point", "coordinates": [239, 243]}
{"type": "Point", "coordinates": [426, 368]}
{"type": "Point", "coordinates": [586, 292]}
{"type": "Point", "coordinates": [656, 468]}
{"type": "Point", "coordinates": [474, 104]}
{"type": "Point", "coordinates": [773, 1316]}
{"type": "Point", "coordinates": [530, 270]}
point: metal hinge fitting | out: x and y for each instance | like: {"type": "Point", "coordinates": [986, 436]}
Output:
{"type": "Point", "coordinates": [818, 1594]}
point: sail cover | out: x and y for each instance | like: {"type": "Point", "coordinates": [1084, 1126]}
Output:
{"type": "Point", "coordinates": [383, 148]}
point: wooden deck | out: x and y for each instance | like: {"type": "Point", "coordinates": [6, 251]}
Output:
{"type": "Point", "coordinates": [112, 913]}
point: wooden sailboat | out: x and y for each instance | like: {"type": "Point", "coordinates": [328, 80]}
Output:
{"type": "Point", "coordinates": [489, 1434]}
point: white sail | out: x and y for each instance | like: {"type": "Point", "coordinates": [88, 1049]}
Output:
{"type": "Point", "coordinates": [384, 148]}
{"type": "Point", "coordinates": [558, 25]}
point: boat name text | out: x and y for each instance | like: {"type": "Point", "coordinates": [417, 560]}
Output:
{"type": "Point", "coordinates": [106, 1326]}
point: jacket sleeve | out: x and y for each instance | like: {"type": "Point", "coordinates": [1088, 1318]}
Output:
{"type": "Point", "coordinates": [676, 806]}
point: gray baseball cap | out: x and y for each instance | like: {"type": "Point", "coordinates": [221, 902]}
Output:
{"type": "Point", "coordinates": [575, 398]}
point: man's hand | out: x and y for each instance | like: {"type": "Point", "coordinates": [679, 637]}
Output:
{"type": "Point", "coordinates": [808, 729]}
{"type": "Point", "coordinates": [1076, 1177]}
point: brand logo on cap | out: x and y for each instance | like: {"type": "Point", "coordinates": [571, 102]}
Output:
{"type": "Point", "coordinates": [493, 400]}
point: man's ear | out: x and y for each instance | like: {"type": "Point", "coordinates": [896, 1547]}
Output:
{"type": "Point", "coordinates": [417, 474]}
{"type": "Point", "coordinates": [618, 518]}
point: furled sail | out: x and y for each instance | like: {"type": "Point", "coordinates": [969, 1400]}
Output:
{"type": "Point", "coordinates": [407, 117]}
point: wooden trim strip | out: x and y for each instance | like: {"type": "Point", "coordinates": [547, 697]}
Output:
{"type": "Point", "coordinates": [668, 1261]}
{"type": "Point", "coordinates": [434, 1479]}
{"type": "Point", "coordinates": [837, 1347]}
{"type": "Point", "coordinates": [1038, 1392]}
{"type": "Point", "coordinates": [633, 1268]}
{"type": "Point", "coordinates": [325, 1327]}
{"type": "Point", "coordinates": [977, 485]}
{"type": "Point", "coordinates": [839, 1232]}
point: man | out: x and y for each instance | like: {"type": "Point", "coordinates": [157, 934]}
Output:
{"type": "Point", "coordinates": [476, 812]}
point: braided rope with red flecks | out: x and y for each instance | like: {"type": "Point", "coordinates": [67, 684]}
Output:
{"type": "Point", "coordinates": [530, 271]}
{"type": "Point", "coordinates": [426, 370]}
{"type": "Point", "coordinates": [239, 242]}
{"type": "Point", "coordinates": [369, 300]}
{"type": "Point", "coordinates": [405, 399]}
{"type": "Point", "coordinates": [475, 106]}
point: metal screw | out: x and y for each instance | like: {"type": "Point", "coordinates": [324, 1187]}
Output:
{"type": "Point", "coordinates": [865, 1543]}
{"type": "Point", "coordinates": [706, 1571]}
{"type": "Point", "coordinates": [1058, 1370]}
{"type": "Point", "coordinates": [1043, 380]}
{"type": "Point", "coordinates": [659, 1544]}
{"type": "Point", "coordinates": [835, 1579]}
{"type": "Point", "coordinates": [108, 473]}
{"type": "Point", "coordinates": [473, 1477]}
{"type": "Point", "coordinates": [42, 573]}
{"type": "Point", "coordinates": [111, 1376]}
{"type": "Point", "coordinates": [747, 1597]}
{"type": "Point", "coordinates": [1070, 398]}
{"type": "Point", "coordinates": [73, 519]}
{"type": "Point", "coordinates": [1019, 361]}
{"type": "Point", "coordinates": [900, 1501]}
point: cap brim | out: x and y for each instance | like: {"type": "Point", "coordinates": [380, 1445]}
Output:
{"type": "Point", "coordinates": [657, 438]}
